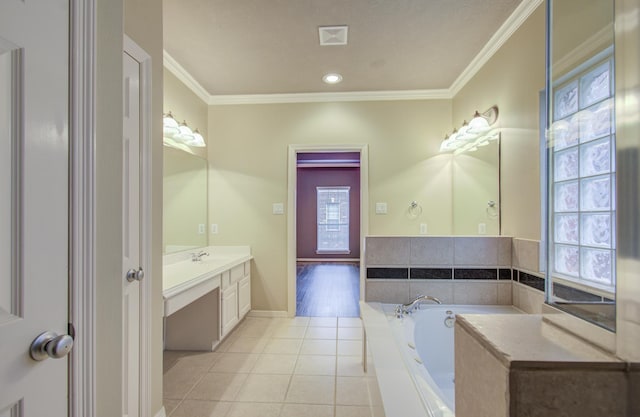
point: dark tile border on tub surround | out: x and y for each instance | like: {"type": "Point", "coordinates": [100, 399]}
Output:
{"type": "Point", "coordinates": [574, 294]}
{"type": "Point", "coordinates": [475, 273]}
{"type": "Point", "coordinates": [431, 273]}
{"type": "Point", "coordinates": [504, 273]}
{"type": "Point", "coordinates": [530, 280]}
{"type": "Point", "coordinates": [388, 273]}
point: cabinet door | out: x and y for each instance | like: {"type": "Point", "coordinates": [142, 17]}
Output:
{"type": "Point", "coordinates": [244, 295]}
{"type": "Point", "coordinates": [229, 309]}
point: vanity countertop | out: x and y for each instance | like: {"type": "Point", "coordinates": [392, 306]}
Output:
{"type": "Point", "coordinates": [186, 280]}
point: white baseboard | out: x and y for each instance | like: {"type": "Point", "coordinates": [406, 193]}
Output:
{"type": "Point", "coordinates": [161, 413]}
{"type": "Point", "coordinates": [267, 313]}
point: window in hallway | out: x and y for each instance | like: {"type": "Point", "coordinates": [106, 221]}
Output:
{"type": "Point", "coordinates": [333, 219]}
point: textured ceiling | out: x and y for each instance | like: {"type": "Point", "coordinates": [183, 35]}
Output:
{"type": "Point", "coordinates": [272, 46]}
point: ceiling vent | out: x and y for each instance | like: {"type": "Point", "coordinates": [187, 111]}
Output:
{"type": "Point", "coordinates": [333, 35]}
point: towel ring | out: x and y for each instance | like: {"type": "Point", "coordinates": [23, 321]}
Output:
{"type": "Point", "coordinates": [415, 209]}
{"type": "Point", "coordinates": [492, 209]}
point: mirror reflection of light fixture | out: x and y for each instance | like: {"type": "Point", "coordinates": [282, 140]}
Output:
{"type": "Point", "coordinates": [478, 132]}
{"type": "Point", "coordinates": [180, 133]}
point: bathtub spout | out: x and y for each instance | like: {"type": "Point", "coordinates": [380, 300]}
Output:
{"type": "Point", "coordinates": [409, 307]}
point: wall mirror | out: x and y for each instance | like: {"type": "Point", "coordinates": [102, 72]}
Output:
{"type": "Point", "coordinates": [476, 190]}
{"type": "Point", "coordinates": [580, 160]}
{"type": "Point", "coordinates": [184, 201]}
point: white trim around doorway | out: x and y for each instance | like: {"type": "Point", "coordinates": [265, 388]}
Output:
{"type": "Point", "coordinates": [146, 236]}
{"type": "Point", "coordinates": [363, 149]}
{"type": "Point", "coordinates": [82, 204]}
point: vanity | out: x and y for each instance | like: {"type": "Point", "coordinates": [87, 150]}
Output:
{"type": "Point", "coordinates": [205, 299]}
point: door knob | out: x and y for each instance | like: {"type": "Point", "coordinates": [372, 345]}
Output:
{"type": "Point", "coordinates": [133, 275]}
{"type": "Point", "coordinates": [50, 345]}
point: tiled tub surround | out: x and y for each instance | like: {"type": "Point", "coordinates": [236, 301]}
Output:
{"type": "Point", "coordinates": [524, 366]}
{"type": "Point", "coordinates": [457, 270]}
{"type": "Point", "coordinates": [461, 270]}
{"type": "Point", "coordinates": [275, 367]}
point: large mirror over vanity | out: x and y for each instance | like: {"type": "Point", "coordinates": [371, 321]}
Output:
{"type": "Point", "coordinates": [184, 201]}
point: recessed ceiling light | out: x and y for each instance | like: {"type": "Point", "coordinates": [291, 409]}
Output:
{"type": "Point", "coordinates": [332, 78]}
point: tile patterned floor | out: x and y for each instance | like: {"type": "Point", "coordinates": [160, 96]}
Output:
{"type": "Point", "coordinates": [300, 367]}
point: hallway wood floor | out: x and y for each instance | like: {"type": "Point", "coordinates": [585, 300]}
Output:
{"type": "Point", "coordinates": [329, 289]}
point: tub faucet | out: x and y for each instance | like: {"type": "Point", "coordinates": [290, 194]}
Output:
{"type": "Point", "coordinates": [197, 257]}
{"type": "Point", "coordinates": [410, 306]}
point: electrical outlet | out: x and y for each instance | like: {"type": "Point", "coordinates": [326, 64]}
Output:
{"type": "Point", "coordinates": [214, 229]}
{"type": "Point", "coordinates": [381, 208]}
{"type": "Point", "coordinates": [423, 228]}
{"type": "Point", "coordinates": [482, 228]}
{"type": "Point", "coordinates": [201, 229]}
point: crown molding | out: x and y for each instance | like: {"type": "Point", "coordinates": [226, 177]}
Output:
{"type": "Point", "coordinates": [517, 18]}
{"type": "Point", "coordinates": [215, 100]}
{"type": "Point", "coordinates": [178, 70]}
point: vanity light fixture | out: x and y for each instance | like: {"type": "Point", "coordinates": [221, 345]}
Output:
{"type": "Point", "coordinates": [478, 132]}
{"type": "Point", "coordinates": [332, 78]}
{"type": "Point", "coordinates": [180, 133]}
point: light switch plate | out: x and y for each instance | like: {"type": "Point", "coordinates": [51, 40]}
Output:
{"type": "Point", "coordinates": [482, 228]}
{"type": "Point", "coordinates": [214, 229]}
{"type": "Point", "coordinates": [201, 229]}
{"type": "Point", "coordinates": [423, 228]}
{"type": "Point", "coordinates": [381, 208]}
{"type": "Point", "coordinates": [278, 208]}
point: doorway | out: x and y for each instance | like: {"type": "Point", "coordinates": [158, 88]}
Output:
{"type": "Point", "coordinates": [328, 203]}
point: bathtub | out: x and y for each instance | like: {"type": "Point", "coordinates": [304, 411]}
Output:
{"type": "Point", "coordinates": [414, 356]}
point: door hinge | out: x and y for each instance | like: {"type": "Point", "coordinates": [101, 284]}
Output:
{"type": "Point", "coordinates": [71, 331]}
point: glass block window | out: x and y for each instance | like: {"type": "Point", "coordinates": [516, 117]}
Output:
{"type": "Point", "coordinates": [582, 176]}
{"type": "Point", "coordinates": [333, 219]}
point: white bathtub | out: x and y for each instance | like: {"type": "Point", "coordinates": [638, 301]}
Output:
{"type": "Point", "coordinates": [420, 354]}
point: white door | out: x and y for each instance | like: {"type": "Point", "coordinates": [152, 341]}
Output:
{"type": "Point", "coordinates": [131, 250]}
{"type": "Point", "coordinates": [34, 150]}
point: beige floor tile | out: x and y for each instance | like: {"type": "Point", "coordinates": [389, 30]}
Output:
{"type": "Point", "coordinates": [217, 387]}
{"type": "Point", "coordinates": [316, 365]}
{"type": "Point", "coordinates": [321, 333]}
{"type": "Point", "coordinates": [170, 405]}
{"type": "Point", "coordinates": [247, 345]}
{"type": "Point", "coordinates": [264, 388]}
{"type": "Point", "coordinates": [374, 392]}
{"type": "Point", "coordinates": [350, 366]}
{"type": "Point", "coordinates": [353, 411]}
{"type": "Point", "coordinates": [323, 322]}
{"type": "Point", "coordinates": [289, 332]}
{"type": "Point", "coordinates": [318, 347]}
{"type": "Point", "coordinates": [235, 362]}
{"type": "Point", "coordinates": [197, 361]}
{"type": "Point", "coordinates": [352, 391]}
{"type": "Point", "coordinates": [199, 408]}
{"type": "Point", "coordinates": [253, 330]}
{"type": "Point", "coordinates": [283, 346]}
{"type": "Point", "coordinates": [224, 345]}
{"type": "Point", "coordinates": [349, 333]}
{"type": "Point", "coordinates": [306, 410]}
{"type": "Point", "coordinates": [350, 347]}
{"type": "Point", "coordinates": [177, 382]}
{"type": "Point", "coordinates": [377, 411]}
{"type": "Point", "coordinates": [254, 410]}
{"type": "Point", "coordinates": [169, 358]}
{"type": "Point", "coordinates": [293, 322]}
{"type": "Point", "coordinates": [306, 389]}
{"type": "Point", "coordinates": [349, 322]}
{"type": "Point", "coordinates": [275, 364]}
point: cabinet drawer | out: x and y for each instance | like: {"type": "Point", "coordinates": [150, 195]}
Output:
{"type": "Point", "coordinates": [237, 272]}
{"type": "Point", "coordinates": [225, 280]}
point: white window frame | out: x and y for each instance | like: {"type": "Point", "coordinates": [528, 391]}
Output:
{"type": "Point", "coordinates": [330, 227]}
